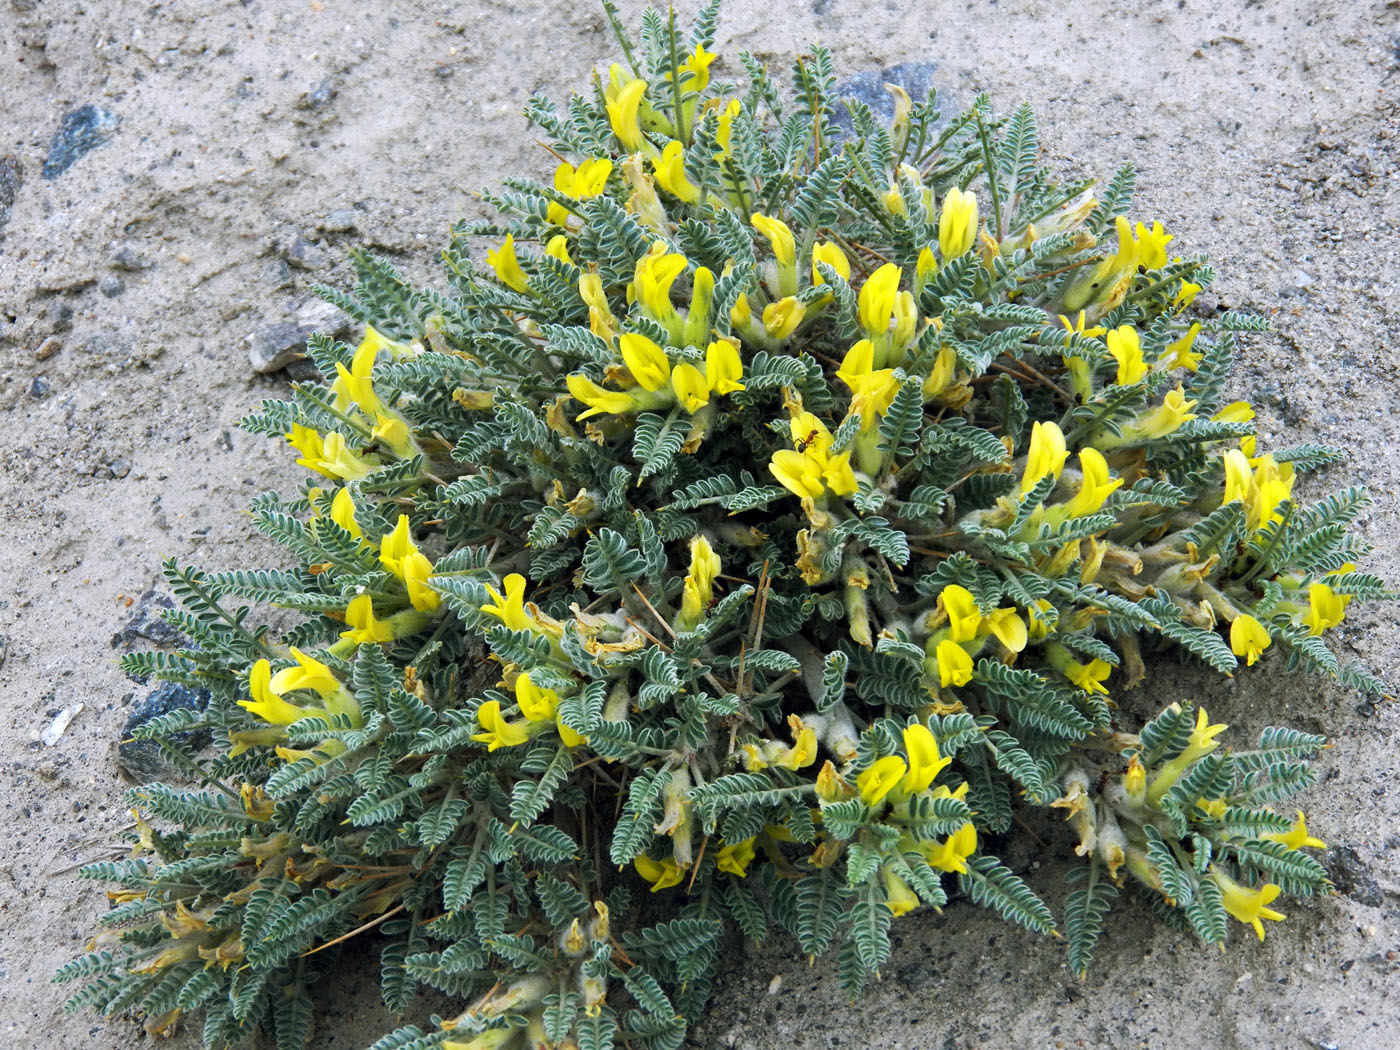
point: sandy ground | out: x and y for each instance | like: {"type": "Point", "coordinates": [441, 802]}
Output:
{"type": "Point", "coordinates": [1265, 133]}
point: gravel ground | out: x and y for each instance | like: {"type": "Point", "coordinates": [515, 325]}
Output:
{"type": "Point", "coordinates": [174, 176]}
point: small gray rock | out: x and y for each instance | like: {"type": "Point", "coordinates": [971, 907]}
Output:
{"type": "Point", "coordinates": [321, 316]}
{"type": "Point", "coordinates": [111, 286]}
{"type": "Point", "coordinates": [319, 96]}
{"type": "Point", "coordinates": [39, 388]}
{"type": "Point", "coordinates": [277, 273]}
{"type": "Point", "coordinates": [142, 760]}
{"type": "Point", "coordinates": [11, 178]}
{"type": "Point", "coordinates": [342, 221]}
{"type": "Point", "coordinates": [916, 78]}
{"type": "Point", "coordinates": [60, 315]}
{"type": "Point", "coordinates": [125, 257]}
{"type": "Point", "coordinates": [119, 468]}
{"type": "Point", "coordinates": [146, 622]}
{"type": "Point", "coordinates": [304, 255]}
{"type": "Point", "coordinates": [4, 649]}
{"type": "Point", "coordinates": [79, 131]}
{"type": "Point", "coordinates": [274, 347]}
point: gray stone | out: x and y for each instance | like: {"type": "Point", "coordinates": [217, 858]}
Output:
{"type": "Point", "coordinates": [111, 286]}
{"type": "Point", "coordinates": [321, 316]}
{"type": "Point", "coordinates": [119, 468]}
{"type": "Point", "coordinates": [60, 315]}
{"type": "Point", "coordinates": [126, 258]}
{"type": "Point", "coordinates": [142, 760]}
{"type": "Point", "coordinates": [277, 273]}
{"type": "Point", "coordinates": [319, 96]}
{"type": "Point", "coordinates": [342, 221]}
{"type": "Point", "coordinates": [39, 388]}
{"type": "Point", "coordinates": [11, 178]}
{"type": "Point", "coordinates": [274, 347]}
{"type": "Point", "coordinates": [1352, 876]}
{"type": "Point", "coordinates": [79, 131]}
{"type": "Point", "coordinates": [147, 623]}
{"type": "Point", "coordinates": [304, 255]}
{"type": "Point", "coordinates": [916, 78]}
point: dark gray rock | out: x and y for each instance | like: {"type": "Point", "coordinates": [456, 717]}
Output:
{"type": "Point", "coordinates": [127, 258]}
{"type": "Point", "coordinates": [916, 78]}
{"type": "Point", "coordinates": [304, 255]}
{"type": "Point", "coordinates": [146, 622]}
{"type": "Point", "coordinates": [1352, 877]}
{"type": "Point", "coordinates": [277, 273]}
{"type": "Point", "coordinates": [39, 388]}
{"type": "Point", "coordinates": [143, 760]}
{"type": "Point", "coordinates": [60, 315]}
{"type": "Point", "coordinates": [11, 178]}
{"type": "Point", "coordinates": [275, 346]}
{"type": "Point", "coordinates": [111, 286]}
{"type": "Point", "coordinates": [80, 131]}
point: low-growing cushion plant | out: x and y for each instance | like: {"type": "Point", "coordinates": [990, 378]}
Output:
{"type": "Point", "coordinates": [775, 513]}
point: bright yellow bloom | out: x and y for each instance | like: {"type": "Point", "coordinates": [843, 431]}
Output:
{"type": "Point", "coordinates": [1089, 677]}
{"type": "Point", "coordinates": [952, 853]}
{"type": "Point", "coordinates": [872, 389]}
{"type": "Point", "coordinates": [954, 664]}
{"type": "Point", "coordinates": [1297, 836]}
{"type": "Point", "coordinates": [1185, 295]}
{"type": "Point", "coordinates": [1096, 484]}
{"type": "Point", "coordinates": [829, 252]}
{"type": "Point", "coordinates": [883, 776]}
{"type": "Point", "coordinates": [1152, 246]}
{"type": "Point", "coordinates": [1039, 622]}
{"type": "Point", "coordinates": [510, 608]}
{"type": "Point", "coordinates": [268, 705]}
{"type": "Point", "coordinates": [364, 628]}
{"type": "Point", "coordinates": [943, 372]}
{"type": "Point", "coordinates": [585, 182]}
{"type": "Point", "coordinates": [507, 266]}
{"type": "Point", "coordinates": [723, 368]}
{"type": "Point", "coordinates": [309, 673]}
{"type": "Point", "coordinates": [536, 704]}
{"type": "Point", "coordinates": [804, 747]}
{"type": "Point", "coordinates": [558, 248]}
{"type": "Point", "coordinates": [899, 898]}
{"type": "Point", "coordinates": [698, 66]}
{"type": "Point", "coordinates": [808, 473]}
{"type": "Point", "coordinates": [1180, 354]}
{"type": "Point", "coordinates": [392, 431]}
{"type": "Point", "coordinates": [963, 615]}
{"type": "Point", "coordinates": [779, 237]}
{"type": "Point", "coordinates": [698, 589]}
{"type": "Point", "coordinates": [599, 400]}
{"type": "Point", "coordinates": [1249, 906]}
{"type": "Point", "coordinates": [645, 360]}
{"type": "Point", "coordinates": [662, 874]}
{"type": "Point", "coordinates": [375, 341]}
{"type": "Point", "coordinates": [1174, 411]}
{"type": "Point", "coordinates": [839, 476]}
{"type": "Point", "coordinates": [1273, 484]}
{"type": "Point", "coordinates": [736, 857]}
{"type": "Point", "coordinates": [655, 273]}
{"type": "Point", "coordinates": [781, 319]}
{"type": "Point", "coordinates": [1076, 327]}
{"type": "Point", "coordinates": [414, 571]}
{"type": "Point", "coordinates": [670, 173]}
{"type": "Point", "coordinates": [1201, 743]}
{"type": "Point", "coordinates": [623, 106]}
{"type": "Point", "coordinates": [1326, 608]}
{"type": "Point", "coordinates": [330, 455]}
{"type": "Point", "coordinates": [1248, 638]}
{"type": "Point", "coordinates": [396, 546]}
{"type": "Point", "coordinates": [354, 385]}
{"type": "Point", "coordinates": [601, 321]}
{"type": "Point", "coordinates": [1239, 479]}
{"type": "Point", "coordinates": [1047, 454]}
{"type": "Point", "coordinates": [691, 389]}
{"type": "Point", "coordinates": [875, 304]}
{"type": "Point", "coordinates": [925, 762]}
{"type": "Point", "coordinates": [725, 130]}
{"type": "Point", "coordinates": [498, 732]}
{"type": "Point", "coordinates": [1235, 412]}
{"type": "Point", "coordinates": [1126, 348]}
{"type": "Point", "coordinates": [1009, 629]}
{"type": "Point", "coordinates": [957, 224]}
{"type": "Point", "coordinates": [798, 473]}
{"type": "Point", "coordinates": [1105, 285]}
{"type": "Point", "coordinates": [343, 513]}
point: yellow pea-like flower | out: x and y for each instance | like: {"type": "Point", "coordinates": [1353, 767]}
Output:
{"type": "Point", "coordinates": [957, 224]}
{"type": "Point", "coordinates": [507, 266]}
{"type": "Point", "coordinates": [1096, 484]}
{"type": "Point", "coordinates": [645, 360]}
{"type": "Point", "coordinates": [1125, 347]}
{"type": "Point", "coordinates": [780, 238]}
{"type": "Point", "coordinates": [883, 776]}
{"type": "Point", "coordinates": [624, 108]}
{"type": "Point", "coordinates": [723, 368]}
{"type": "Point", "coordinates": [692, 391]}
{"type": "Point", "coordinates": [830, 252]}
{"type": "Point", "coordinates": [1047, 454]}
{"type": "Point", "coordinates": [925, 762]}
{"type": "Point", "coordinates": [670, 173]}
{"type": "Point", "coordinates": [1248, 638]}
{"type": "Point", "coordinates": [498, 732]}
{"type": "Point", "coordinates": [781, 319]}
{"type": "Point", "coordinates": [963, 615]}
{"type": "Point", "coordinates": [954, 664]}
{"type": "Point", "coordinates": [1246, 905]}
{"type": "Point", "coordinates": [875, 304]}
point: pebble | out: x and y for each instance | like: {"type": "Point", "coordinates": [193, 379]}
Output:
{"type": "Point", "coordinates": [304, 255]}
{"type": "Point", "coordinates": [4, 649]}
{"type": "Point", "coordinates": [111, 286]}
{"type": "Point", "coordinates": [318, 96]}
{"type": "Point", "coordinates": [48, 348]}
{"type": "Point", "coordinates": [275, 346]}
{"type": "Point", "coordinates": [119, 468]}
{"type": "Point", "coordinates": [1352, 876]}
{"type": "Point", "coordinates": [869, 87]}
{"type": "Point", "coordinates": [277, 273]}
{"type": "Point", "coordinates": [125, 257]}
{"type": "Point", "coordinates": [60, 315]}
{"type": "Point", "coordinates": [11, 178]}
{"type": "Point", "coordinates": [342, 221]}
{"type": "Point", "coordinates": [79, 131]}
{"type": "Point", "coordinates": [142, 760]}
{"type": "Point", "coordinates": [39, 388]}
{"type": "Point", "coordinates": [146, 622]}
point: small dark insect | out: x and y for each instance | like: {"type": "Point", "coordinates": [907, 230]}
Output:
{"type": "Point", "coordinates": [802, 445]}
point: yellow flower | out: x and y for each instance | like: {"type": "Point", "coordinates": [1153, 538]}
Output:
{"type": "Point", "coordinates": [1096, 484]}
{"type": "Point", "coordinates": [1274, 484]}
{"type": "Point", "coordinates": [268, 705]}
{"type": "Point", "coordinates": [1152, 246]}
{"type": "Point", "coordinates": [645, 360]}
{"type": "Point", "coordinates": [1249, 906]}
{"type": "Point", "coordinates": [954, 664]}
{"type": "Point", "coordinates": [736, 857]}
{"type": "Point", "coordinates": [698, 66]}
{"type": "Point", "coordinates": [343, 513]}
{"type": "Point", "coordinates": [1105, 285]}
{"type": "Point", "coordinates": [1009, 629]}
{"type": "Point", "coordinates": [309, 673]}
{"type": "Point", "coordinates": [507, 267]}
{"type": "Point", "coordinates": [599, 400]}
{"type": "Point", "coordinates": [375, 341]}
{"type": "Point", "coordinates": [670, 173]}
{"type": "Point", "coordinates": [601, 321]}
{"type": "Point", "coordinates": [1174, 411]}
{"type": "Point", "coordinates": [1239, 479]}
{"type": "Point", "coordinates": [1180, 353]}
{"type": "Point", "coordinates": [1201, 743]}
{"type": "Point", "coordinates": [396, 546]}
{"type": "Point", "coordinates": [839, 476]}
{"type": "Point", "coordinates": [723, 368]}
{"type": "Point", "coordinates": [1047, 454]}
{"type": "Point", "coordinates": [779, 237]}
{"type": "Point", "coordinates": [1076, 327]}
{"type": "Point", "coordinates": [510, 608]}
{"type": "Point", "coordinates": [829, 252]}
{"type": "Point", "coordinates": [781, 319]}
{"type": "Point", "coordinates": [875, 304]}
{"type": "Point", "coordinates": [1235, 412]}
{"type": "Point", "coordinates": [1326, 608]}
{"type": "Point", "coordinates": [536, 704]}
{"type": "Point", "coordinates": [1040, 623]}
{"type": "Point", "coordinates": [499, 733]}
{"type": "Point", "coordinates": [655, 273]}
{"type": "Point", "coordinates": [585, 182]}
{"type": "Point", "coordinates": [330, 455]}
{"type": "Point", "coordinates": [1185, 295]}
{"type": "Point", "coordinates": [899, 898]}
{"type": "Point", "coordinates": [1297, 836]}
{"type": "Point", "coordinates": [872, 389]}
{"type": "Point", "coordinates": [925, 762]}
{"type": "Point", "coordinates": [963, 615]}
{"type": "Point", "coordinates": [883, 776]}
{"type": "Point", "coordinates": [623, 106]}
{"type": "Point", "coordinates": [558, 248]}
{"type": "Point", "coordinates": [414, 571]}
{"type": "Point", "coordinates": [354, 385]}
{"type": "Point", "coordinates": [957, 224]}
{"type": "Point", "coordinates": [699, 582]}
{"type": "Point", "coordinates": [725, 129]}
{"type": "Point", "coordinates": [1089, 677]}
{"type": "Point", "coordinates": [1126, 348]}
{"type": "Point", "coordinates": [691, 389]}
{"type": "Point", "coordinates": [1248, 638]}
{"type": "Point", "coordinates": [392, 431]}
{"type": "Point", "coordinates": [804, 747]}
{"type": "Point", "coordinates": [952, 853]}
{"type": "Point", "coordinates": [797, 472]}
{"type": "Point", "coordinates": [364, 628]}
{"type": "Point", "coordinates": [662, 874]}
